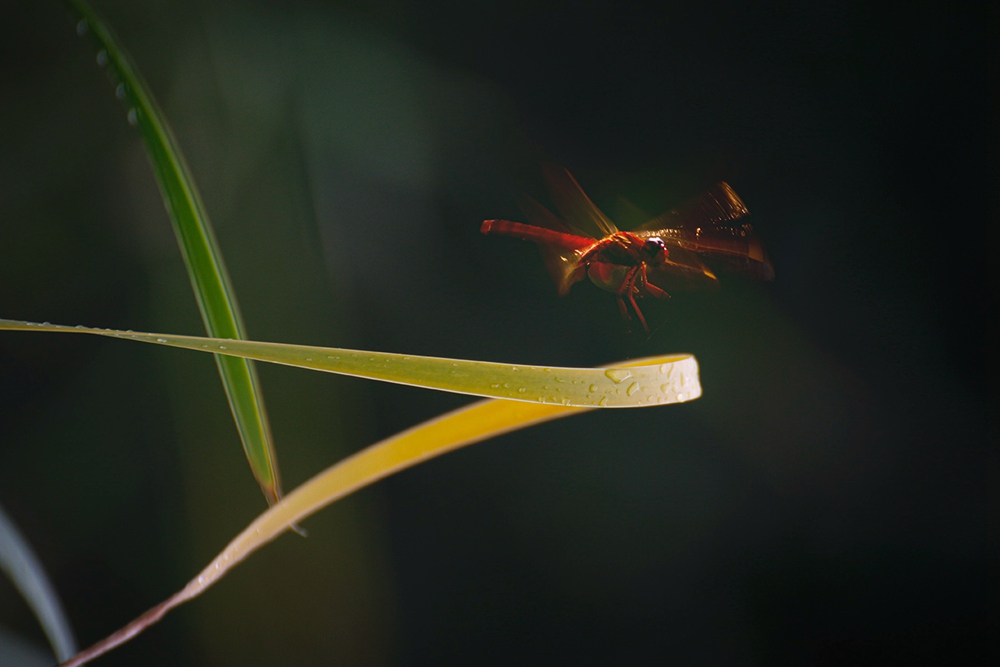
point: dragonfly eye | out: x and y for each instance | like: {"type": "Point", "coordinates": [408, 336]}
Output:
{"type": "Point", "coordinates": [655, 250]}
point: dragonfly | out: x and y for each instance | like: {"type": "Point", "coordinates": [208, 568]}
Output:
{"type": "Point", "coordinates": [665, 254]}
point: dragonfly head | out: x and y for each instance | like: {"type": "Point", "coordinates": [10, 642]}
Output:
{"type": "Point", "coordinates": [654, 251]}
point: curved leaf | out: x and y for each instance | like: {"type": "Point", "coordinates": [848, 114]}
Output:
{"type": "Point", "coordinates": [24, 569]}
{"type": "Point", "coordinates": [461, 427]}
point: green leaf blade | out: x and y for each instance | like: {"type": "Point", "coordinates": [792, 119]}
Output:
{"type": "Point", "coordinates": [207, 272]}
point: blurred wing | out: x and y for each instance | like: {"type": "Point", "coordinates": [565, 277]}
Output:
{"type": "Point", "coordinates": [574, 205]}
{"type": "Point", "coordinates": [563, 263]}
{"type": "Point", "coordinates": [715, 225]}
{"type": "Point", "coordinates": [628, 214]}
{"type": "Point", "coordinates": [682, 270]}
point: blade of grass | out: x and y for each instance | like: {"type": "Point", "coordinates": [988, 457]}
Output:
{"type": "Point", "coordinates": [670, 380]}
{"type": "Point", "coordinates": [18, 561]}
{"type": "Point", "coordinates": [209, 279]}
{"type": "Point", "coordinates": [465, 426]}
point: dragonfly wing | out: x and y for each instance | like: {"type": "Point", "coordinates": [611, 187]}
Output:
{"type": "Point", "coordinates": [574, 205]}
{"type": "Point", "coordinates": [540, 216]}
{"type": "Point", "coordinates": [682, 270]}
{"type": "Point", "coordinates": [715, 225]}
{"type": "Point", "coordinates": [717, 205]}
{"type": "Point", "coordinates": [562, 261]}
{"type": "Point", "coordinates": [628, 214]}
{"type": "Point", "coordinates": [564, 266]}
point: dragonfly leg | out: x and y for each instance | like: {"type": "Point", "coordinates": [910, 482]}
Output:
{"type": "Point", "coordinates": [651, 288]}
{"type": "Point", "coordinates": [628, 285]}
{"type": "Point", "coordinates": [623, 309]}
{"type": "Point", "coordinates": [631, 298]}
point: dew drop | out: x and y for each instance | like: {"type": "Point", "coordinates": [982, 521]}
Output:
{"type": "Point", "coordinates": [666, 388]}
{"type": "Point", "coordinates": [80, 326]}
{"type": "Point", "coordinates": [632, 388]}
{"type": "Point", "coordinates": [309, 358]}
{"type": "Point", "coordinates": [133, 117]}
{"type": "Point", "coordinates": [495, 386]}
{"type": "Point", "coordinates": [161, 340]}
{"type": "Point", "coordinates": [592, 389]}
{"type": "Point", "coordinates": [684, 379]}
{"type": "Point", "coordinates": [667, 369]}
{"type": "Point", "coordinates": [205, 346]}
{"type": "Point", "coordinates": [521, 390]}
{"type": "Point", "coordinates": [617, 375]}
{"type": "Point", "coordinates": [120, 91]}
{"type": "Point", "coordinates": [82, 27]}
{"type": "Point", "coordinates": [681, 397]}
{"type": "Point", "coordinates": [102, 57]}
{"type": "Point", "coordinates": [333, 358]}
{"type": "Point", "coordinates": [603, 401]}
{"type": "Point", "coordinates": [201, 579]}
{"type": "Point", "coordinates": [222, 347]}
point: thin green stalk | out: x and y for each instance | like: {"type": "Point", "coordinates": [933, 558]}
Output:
{"type": "Point", "coordinates": [206, 270]}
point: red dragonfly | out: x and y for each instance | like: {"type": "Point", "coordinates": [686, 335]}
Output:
{"type": "Point", "coordinates": [660, 256]}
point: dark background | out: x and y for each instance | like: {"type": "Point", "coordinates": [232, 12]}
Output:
{"type": "Point", "coordinates": [824, 502]}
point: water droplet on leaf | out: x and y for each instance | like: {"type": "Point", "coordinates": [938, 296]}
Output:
{"type": "Point", "coordinates": [617, 375]}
